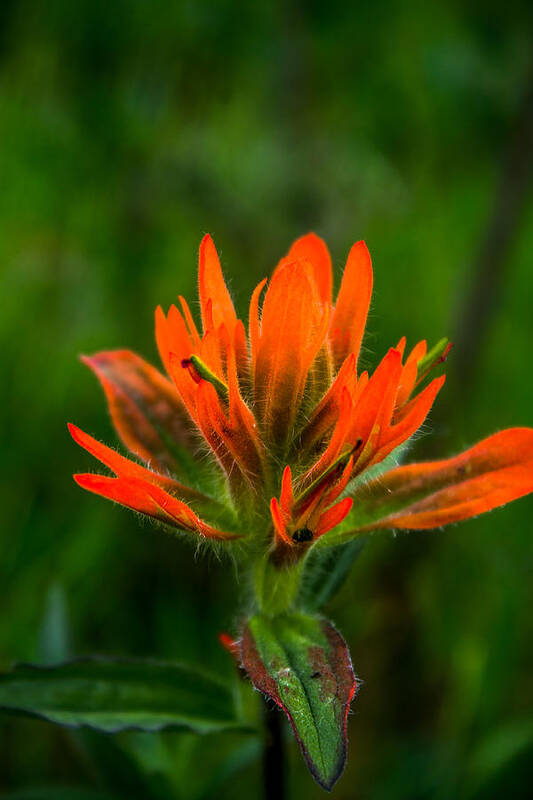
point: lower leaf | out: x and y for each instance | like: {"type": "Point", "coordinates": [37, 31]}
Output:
{"type": "Point", "coordinates": [302, 663]}
{"type": "Point", "coordinates": [114, 695]}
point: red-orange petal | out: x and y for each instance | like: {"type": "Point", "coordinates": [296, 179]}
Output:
{"type": "Point", "coordinates": [333, 516]}
{"type": "Point", "coordinates": [123, 467]}
{"type": "Point", "coordinates": [254, 327]}
{"type": "Point", "coordinates": [185, 381]}
{"type": "Point", "coordinates": [143, 405]}
{"type": "Point", "coordinates": [213, 288]}
{"type": "Point", "coordinates": [238, 445]}
{"type": "Point", "coordinates": [376, 401]}
{"type": "Point", "coordinates": [286, 497]}
{"type": "Point", "coordinates": [190, 323]}
{"type": "Point", "coordinates": [213, 352]}
{"type": "Point", "coordinates": [240, 346]}
{"type": "Point", "coordinates": [388, 400]}
{"type": "Point", "coordinates": [313, 249]}
{"type": "Point", "coordinates": [353, 301]}
{"type": "Point", "coordinates": [208, 414]}
{"type": "Point", "coordinates": [175, 347]}
{"type": "Point", "coordinates": [341, 484]}
{"type": "Point", "coordinates": [162, 337]}
{"type": "Point", "coordinates": [147, 498]}
{"type": "Point", "coordinates": [400, 347]}
{"type": "Point", "coordinates": [241, 418]}
{"type": "Point", "coordinates": [427, 495]}
{"type": "Point", "coordinates": [407, 382]}
{"type": "Point", "coordinates": [410, 373]}
{"type": "Point", "coordinates": [326, 413]}
{"type": "Point", "coordinates": [278, 519]}
{"type": "Point", "coordinates": [310, 506]}
{"type": "Point", "coordinates": [337, 440]}
{"type": "Point", "coordinates": [291, 331]}
{"type": "Point", "coordinates": [418, 351]}
{"type": "Point", "coordinates": [419, 408]}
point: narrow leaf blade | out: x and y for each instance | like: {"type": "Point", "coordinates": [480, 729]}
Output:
{"type": "Point", "coordinates": [302, 663]}
{"type": "Point", "coordinates": [114, 695]}
{"type": "Point", "coordinates": [326, 571]}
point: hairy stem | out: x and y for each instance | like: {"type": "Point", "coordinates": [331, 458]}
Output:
{"type": "Point", "coordinates": [276, 587]}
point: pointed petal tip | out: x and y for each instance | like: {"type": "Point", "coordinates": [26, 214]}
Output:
{"type": "Point", "coordinates": [353, 301]}
{"type": "Point", "coordinates": [312, 250]}
{"type": "Point", "coordinates": [81, 438]}
{"type": "Point", "coordinates": [207, 250]}
{"type": "Point", "coordinates": [104, 357]}
{"type": "Point", "coordinates": [89, 361]}
{"type": "Point", "coordinates": [91, 482]}
{"type": "Point", "coordinates": [206, 239]}
{"type": "Point", "coordinates": [334, 516]}
{"type": "Point", "coordinates": [215, 300]}
{"type": "Point", "coordinates": [362, 246]}
{"type": "Point", "coordinates": [231, 645]}
{"type": "Point", "coordinates": [75, 432]}
{"type": "Point", "coordinates": [309, 240]}
{"type": "Point", "coordinates": [287, 473]}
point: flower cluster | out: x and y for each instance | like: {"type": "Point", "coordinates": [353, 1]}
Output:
{"type": "Point", "coordinates": [288, 417]}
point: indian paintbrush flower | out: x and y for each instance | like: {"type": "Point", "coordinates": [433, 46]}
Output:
{"type": "Point", "coordinates": [293, 427]}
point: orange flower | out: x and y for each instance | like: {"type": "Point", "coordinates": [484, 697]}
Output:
{"type": "Point", "coordinates": [287, 416]}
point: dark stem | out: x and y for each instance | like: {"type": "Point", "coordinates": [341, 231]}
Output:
{"type": "Point", "coordinates": [273, 755]}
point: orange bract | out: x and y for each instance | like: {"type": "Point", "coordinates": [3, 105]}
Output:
{"type": "Point", "coordinates": [288, 417]}
{"type": "Point", "coordinates": [420, 496]}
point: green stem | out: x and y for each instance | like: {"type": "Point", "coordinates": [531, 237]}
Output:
{"type": "Point", "coordinates": [276, 587]}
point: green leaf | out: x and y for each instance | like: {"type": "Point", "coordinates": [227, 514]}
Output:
{"type": "Point", "coordinates": [325, 571]}
{"type": "Point", "coordinates": [114, 695]}
{"type": "Point", "coordinates": [302, 663]}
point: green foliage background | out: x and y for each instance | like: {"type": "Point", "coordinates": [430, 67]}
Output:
{"type": "Point", "coordinates": [128, 130]}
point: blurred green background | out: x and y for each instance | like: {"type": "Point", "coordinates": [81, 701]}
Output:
{"type": "Point", "coordinates": [128, 130]}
